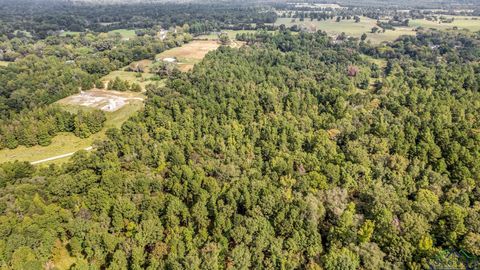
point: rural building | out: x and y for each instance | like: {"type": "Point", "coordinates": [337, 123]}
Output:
{"type": "Point", "coordinates": [162, 34]}
{"type": "Point", "coordinates": [169, 60]}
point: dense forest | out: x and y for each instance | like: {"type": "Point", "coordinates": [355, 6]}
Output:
{"type": "Point", "coordinates": [295, 152]}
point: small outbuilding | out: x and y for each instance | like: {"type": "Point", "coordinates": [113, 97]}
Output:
{"type": "Point", "coordinates": [169, 60]}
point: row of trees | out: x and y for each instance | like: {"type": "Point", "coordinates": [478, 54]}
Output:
{"type": "Point", "coordinates": [41, 125]}
{"type": "Point", "coordinates": [123, 85]}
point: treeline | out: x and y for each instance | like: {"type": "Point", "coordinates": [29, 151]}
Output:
{"type": "Point", "coordinates": [123, 85]}
{"type": "Point", "coordinates": [39, 126]}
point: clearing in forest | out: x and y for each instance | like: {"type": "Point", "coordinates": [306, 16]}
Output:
{"type": "Point", "coordinates": [124, 33]}
{"type": "Point", "coordinates": [65, 142]}
{"type": "Point", "coordinates": [471, 23]}
{"type": "Point", "coordinates": [142, 78]}
{"type": "Point", "coordinates": [190, 54]}
{"type": "Point", "coordinates": [105, 100]}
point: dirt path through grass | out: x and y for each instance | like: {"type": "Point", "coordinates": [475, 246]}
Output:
{"type": "Point", "coordinates": [58, 157]}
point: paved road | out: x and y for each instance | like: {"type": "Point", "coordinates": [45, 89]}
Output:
{"type": "Point", "coordinates": [58, 157]}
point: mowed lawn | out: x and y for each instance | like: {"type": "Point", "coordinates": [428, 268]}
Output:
{"type": "Point", "coordinates": [191, 53]}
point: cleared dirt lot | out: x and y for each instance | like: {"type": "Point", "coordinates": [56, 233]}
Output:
{"type": "Point", "coordinates": [105, 100]}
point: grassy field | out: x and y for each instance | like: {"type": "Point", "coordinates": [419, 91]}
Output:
{"type": "Point", "coordinates": [390, 35]}
{"type": "Point", "coordinates": [125, 33]}
{"type": "Point", "coordinates": [67, 142]}
{"type": "Point", "coordinates": [365, 25]}
{"type": "Point", "coordinates": [61, 144]}
{"type": "Point", "coordinates": [462, 22]}
{"type": "Point", "coordinates": [129, 76]}
{"type": "Point", "coordinates": [231, 33]}
{"type": "Point", "coordinates": [349, 27]}
{"type": "Point", "coordinates": [4, 63]}
{"type": "Point", "coordinates": [69, 33]}
{"type": "Point", "coordinates": [191, 53]}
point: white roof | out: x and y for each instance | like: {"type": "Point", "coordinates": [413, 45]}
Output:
{"type": "Point", "coordinates": [169, 59]}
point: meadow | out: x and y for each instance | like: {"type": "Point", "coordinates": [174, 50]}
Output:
{"type": "Point", "coordinates": [4, 63]}
{"type": "Point", "coordinates": [232, 34]}
{"type": "Point", "coordinates": [461, 22]}
{"type": "Point", "coordinates": [125, 33]}
{"type": "Point", "coordinates": [351, 28]}
{"type": "Point", "coordinates": [190, 54]}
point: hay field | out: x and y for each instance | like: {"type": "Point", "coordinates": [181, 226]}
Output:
{"type": "Point", "coordinates": [191, 53]}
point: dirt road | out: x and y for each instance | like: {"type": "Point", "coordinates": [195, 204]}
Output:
{"type": "Point", "coordinates": [58, 157]}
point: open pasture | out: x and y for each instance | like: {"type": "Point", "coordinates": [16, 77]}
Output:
{"type": "Point", "coordinates": [461, 22]}
{"type": "Point", "coordinates": [124, 33]}
{"type": "Point", "coordinates": [349, 27]}
{"type": "Point", "coordinates": [190, 54]}
{"type": "Point", "coordinates": [232, 34]}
